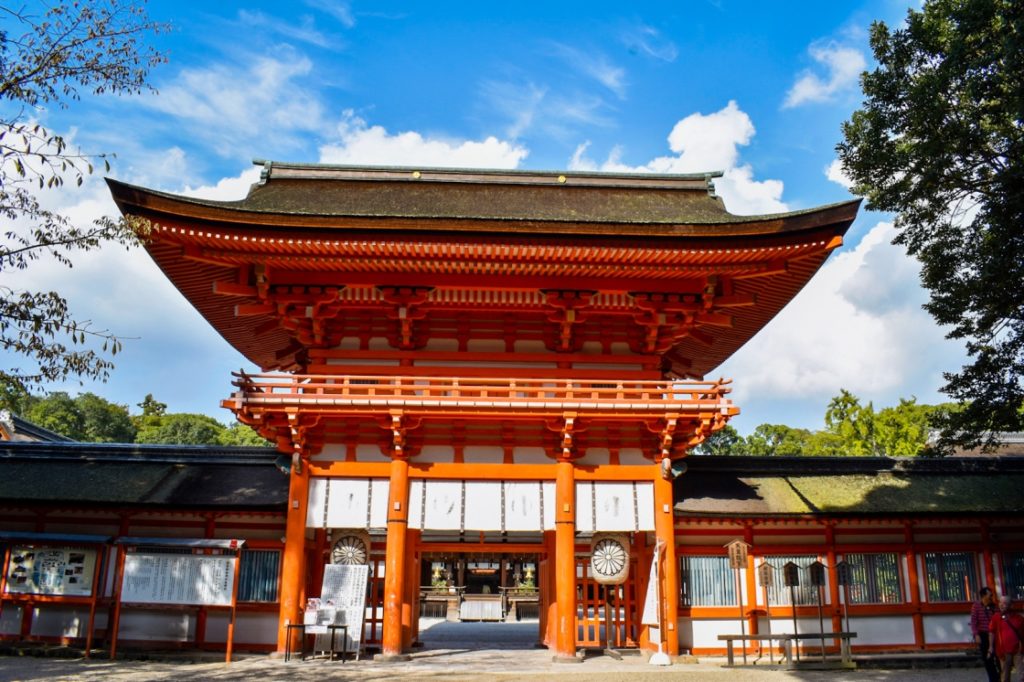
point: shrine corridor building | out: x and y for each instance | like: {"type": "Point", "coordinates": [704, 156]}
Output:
{"type": "Point", "coordinates": [473, 377]}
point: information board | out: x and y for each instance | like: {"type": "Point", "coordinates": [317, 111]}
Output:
{"type": "Point", "coordinates": [59, 571]}
{"type": "Point", "coordinates": [344, 591]}
{"type": "Point", "coordinates": [198, 579]}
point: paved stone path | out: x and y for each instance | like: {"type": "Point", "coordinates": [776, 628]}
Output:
{"type": "Point", "coordinates": [452, 651]}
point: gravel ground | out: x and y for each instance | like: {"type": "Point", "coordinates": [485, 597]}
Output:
{"type": "Point", "coordinates": [452, 651]}
{"type": "Point", "coordinates": [441, 664]}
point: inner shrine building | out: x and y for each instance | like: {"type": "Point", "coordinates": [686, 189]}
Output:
{"type": "Point", "coordinates": [475, 376]}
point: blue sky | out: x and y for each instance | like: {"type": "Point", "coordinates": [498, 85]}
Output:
{"type": "Point", "coordinates": [758, 90]}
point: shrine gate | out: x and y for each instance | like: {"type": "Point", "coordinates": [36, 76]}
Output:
{"type": "Point", "coordinates": [468, 363]}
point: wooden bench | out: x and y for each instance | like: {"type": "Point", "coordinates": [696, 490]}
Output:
{"type": "Point", "coordinates": [788, 640]}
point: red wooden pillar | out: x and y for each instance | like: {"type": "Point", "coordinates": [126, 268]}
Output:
{"type": "Point", "coordinates": [915, 585]}
{"type": "Point", "coordinates": [565, 561]}
{"type": "Point", "coordinates": [395, 560]}
{"type": "Point", "coordinates": [831, 558]}
{"type": "Point", "coordinates": [668, 569]}
{"type": "Point", "coordinates": [410, 614]}
{"type": "Point", "coordinates": [753, 627]}
{"type": "Point", "coordinates": [986, 555]}
{"type": "Point", "coordinates": [546, 583]}
{"type": "Point", "coordinates": [293, 564]}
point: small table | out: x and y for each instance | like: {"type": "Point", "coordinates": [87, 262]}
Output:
{"type": "Point", "coordinates": [301, 627]}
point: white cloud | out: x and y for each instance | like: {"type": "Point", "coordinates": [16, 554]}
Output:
{"type": "Point", "coordinates": [843, 65]}
{"type": "Point", "coordinates": [594, 65]}
{"type": "Point", "coordinates": [704, 143]}
{"type": "Point", "coordinates": [341, 11]}
{"type": "Point", "coordinates": [361, 143]}
{"type": "Point", "coordinates": [226, 189]}
{"type": "Point", "coordinates": [232, 107]}
{"type": "Point", "coordinates": [836, 174]}
{"type": "Point", "coordinates": [647, 41]}
{"type": "Point", "coordinates": [530, 106]}
{"type": "Point", "coordinates": [305, 32]}
{"type": "Point", "coordinates": [857, 325]}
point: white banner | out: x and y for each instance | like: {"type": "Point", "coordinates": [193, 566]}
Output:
{"type": "Point", "coordinates": [652, 604]}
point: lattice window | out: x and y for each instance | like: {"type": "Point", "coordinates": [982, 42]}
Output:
{"type": "Point", "coordinates": [781, 595]}
{"type": "Point", "coordinates": [1013, 574]}
{"type": "Point", "coordinates": [707, 581]}
{"type": "Point", "coordinates": [875, 579]}
{"type": "Point", "coordinates": [258, 575]}
{"type": "Point", "coordinates": [951, 576]}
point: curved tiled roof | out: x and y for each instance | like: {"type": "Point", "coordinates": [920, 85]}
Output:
{"type": "Point", "coordinates": [341, 226]}
{"type": "Point", "coordinates": [849, 486]}
{"type": "Point", "coordinates": [171, 476]}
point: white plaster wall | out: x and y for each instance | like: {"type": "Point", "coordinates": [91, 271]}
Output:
{"type": "Point", "coordinates": [53, 620]}
{"type": "Point", "coordinates": [332, 452]}
{"type": "Point", "coordinates": [442, 345]}
{"type": "Point", "coordinates": [703, 633]}
{"type": "Point", "coordinates": [485, 346]}
{"type": "Point", "coordinates": [368, 452]}
{"type": "Point", "coordinates": [250, 628]}
{"type": "Point", "coordinates": [530, 346]}
{"type": "Point", "coordinates": [10, 619]}
{"type": "Point", "coordinates": [483, 454]}
{"type": "Point", "coordinates": [594, 457]}
{"type": "Point", "coordinates": [435, 453]}
{"type": "Point", "coordinates": [530, 455]}
{"type": "Point", "coordinates": [633, 456]}
{"type": "Point", "coordinates": [890, 630]}
{"type": "Point", "coordinates": [160, 626]}
{"type": "Point", "coordinates": [952, 628]}
{"type": "Point", "coordinates": [804, 625]}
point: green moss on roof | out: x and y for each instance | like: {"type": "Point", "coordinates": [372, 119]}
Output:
{"type": "Point", "coordinates": [881, 493]}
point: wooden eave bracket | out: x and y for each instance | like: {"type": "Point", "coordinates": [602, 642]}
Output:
{"type": "Point", "coordinates": [568, 305]}
{"type": "Point", "coordinates": [398, 424]}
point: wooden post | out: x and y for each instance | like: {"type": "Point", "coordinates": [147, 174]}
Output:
{"type": "Point", "coordinates": [395, 559]}
{"type": "Point", "coordinates": [546, 585]}
{"type": "Point", "coordinates": [565, 560]}
{"type": "Point", "coordinates": [986, 547]}
{"type": "Point", "coordinates": [753, 627]}
{"type": "Point", "coordinates": [116, 616]}
{"type": "Point", "coordinates": [293, 563]}
{"type": "Point", "coordinates": [3, 576]}
{"type": "Point", "coordinates": [100, 568]}
{"type": "Point", "coordinates": [412, 589]}
{"type": "Point", "coordinates": [665, 531]}
{"type": "Point", "coordinates": [234, 608]}
{"type": "Point", "coordinates": [831, 558]}
{"type": "Point", "coordinates": [915, 585]}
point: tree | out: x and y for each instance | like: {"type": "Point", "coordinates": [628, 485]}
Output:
{"type": "Point", "coordinates": [850, 425]}
{"type": "Point", "coordinates": [51, 59]}
{"type": "Point", "coordinates": [241, 434]}
{"type": "Point", "coordinates": [58, 413]}
{"type": "Point", "coordinates": [940, 143]}
{"type": "Point", "coordinates": [87, 418]}
{"type": "Point", "coordinates": [181, 429]}
{"type": "Point", "coordinates": [104, 421]}
{"type": "Point", "coordinates": [725, 441]}
{"type": "Point", "coordinates": [777, 440]}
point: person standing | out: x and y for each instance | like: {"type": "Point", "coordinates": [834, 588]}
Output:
{"type": "Point", "coordinates": [981, 618]}
{"type": "Point", "coordinates": [1007, 630]}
